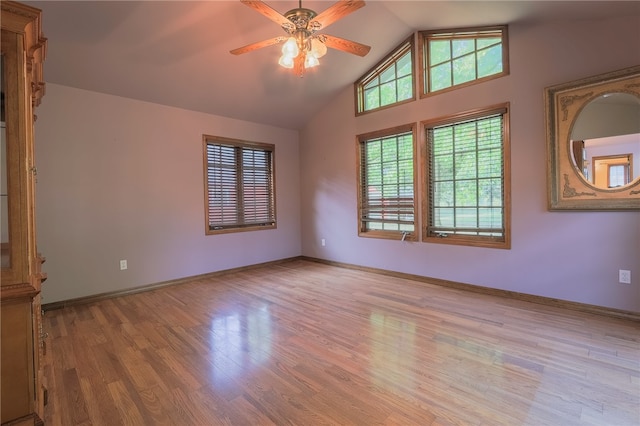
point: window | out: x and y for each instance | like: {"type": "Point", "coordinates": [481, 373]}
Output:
{"type": "Point", "coordinates": [239, 185]}
{"type": "Point", "coordinates": [467, 171]}
{"type": "Point", "coordinates": [388, 83]}
{"type": "Point", "coordinates": [386, 203]}
{"type": "Point", "coordinates": [461, 57]}
{"type": "Point", "coordinates": [618, 175]}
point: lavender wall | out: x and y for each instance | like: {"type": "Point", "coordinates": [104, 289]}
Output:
{"type": "Point", "coordinates": [123, 179]}
{"type": "Point", "coordinates": [566, 255]}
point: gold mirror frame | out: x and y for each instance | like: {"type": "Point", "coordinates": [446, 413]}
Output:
{"type": "Point", "coordinates": [566, 185]}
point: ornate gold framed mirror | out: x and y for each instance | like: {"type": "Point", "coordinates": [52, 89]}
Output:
{"type": "Point", "coordinates": [593, 142]}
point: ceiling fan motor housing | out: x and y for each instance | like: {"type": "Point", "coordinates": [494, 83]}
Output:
{"type": "Point", "coordinates": [301, 20]}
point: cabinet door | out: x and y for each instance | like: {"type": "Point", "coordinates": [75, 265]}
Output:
{"type": "Point", "coordinates": [14, 162]}
{"type": "Point", "coordinates": [17, 366]}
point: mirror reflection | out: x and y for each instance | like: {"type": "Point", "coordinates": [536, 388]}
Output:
{"type": "Point", "coordinates": [605, 140]}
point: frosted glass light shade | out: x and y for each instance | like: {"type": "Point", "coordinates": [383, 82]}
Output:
{"type": "Point", "coordinates": [311, 61]}
{"type": "Point", "coordinates": [290, 48]}
{"type": "Point", "coordinates": [286, 61]}
{"type": "Point", "coordinates": [318, 48]}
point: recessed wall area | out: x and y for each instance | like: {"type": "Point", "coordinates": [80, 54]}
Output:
{"type": "Point", "coordinates": [123, 179]}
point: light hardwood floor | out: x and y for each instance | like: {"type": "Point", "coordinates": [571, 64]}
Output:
{"type": "Point", "coordinates": [305, 343]}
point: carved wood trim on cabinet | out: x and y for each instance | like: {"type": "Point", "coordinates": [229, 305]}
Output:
{"type": "Point", "coordinates": [23, 51]}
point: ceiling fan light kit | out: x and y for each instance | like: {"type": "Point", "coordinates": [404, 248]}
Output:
{"type": "Point", "coordinates": [303, 48]}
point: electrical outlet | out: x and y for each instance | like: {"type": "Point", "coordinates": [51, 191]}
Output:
{"type": "Point", "coordinates": [624, 276]}
{"type": "Point", "coordinates": [323, 242]}
{"type": "Point", "coordinates": [123, 265]}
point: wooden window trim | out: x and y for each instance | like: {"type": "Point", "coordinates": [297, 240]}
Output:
{"type": "Point", "coordinates": [386, 234]}
{"type": "Point", "coordinates": [472, 32]}
{"type": "Point", "coordinates": [468, 240]}
{"type": "Point", "coordinates": [237, 143]}
{"type": "Point", "coordinates": [376, 70]}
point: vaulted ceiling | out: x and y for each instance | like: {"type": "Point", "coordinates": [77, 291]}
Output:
{"type": "Point", "coordinates": [177, 52]}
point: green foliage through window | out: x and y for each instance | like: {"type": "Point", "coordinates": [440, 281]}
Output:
{"type": "Point", "coordinates": [390, 82]}
{"type": "Point", "coordinates": [387, 201]}
{"type": "Point", "coordinates": [454, 58]}
{"type": "Point", "coordinates": [466, 177]}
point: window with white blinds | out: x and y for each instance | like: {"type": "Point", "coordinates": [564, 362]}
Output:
{"type": "Point", "coordinates": [239, 185]}
{"type": "Point", "coordinates": [467, 179]}
{"type": "Point", "coordinates": [386, 200]}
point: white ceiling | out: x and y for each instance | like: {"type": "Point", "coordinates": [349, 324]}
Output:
{"type": "Point", "coordinates": [177, 52]}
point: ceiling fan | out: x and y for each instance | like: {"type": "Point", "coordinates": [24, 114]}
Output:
{"type": "Point", "coordinates": [303, 46]}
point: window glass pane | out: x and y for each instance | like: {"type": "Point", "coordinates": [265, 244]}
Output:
{"type": "Point", "coordinates": [405, 170]}
{"type": "Point", "coordinates": [442, 140]}
{"type": "Point", "coordinates": [390, 226]}
{"type": "Point", "coordinates": [490, 162]}
{"type": "Point", "coordinates": [490, 192]}
{"type": "Point", "coordinates": [443, 167]}
{"type": "Point", "coordinates": [374, 152]}
{"type": "Point", "coordinates": [238, 186]}
{"type": "Point", "coordinates": [443, 194]}
{"type": "Point", "coordinates": [373, 83]}
{"type": "Point", "coordinates": [405, 150]}
{"type": "Point", "coordinates": [405, 65]}
{"type": "Point", "coordinates": [405, 88]}
{"type": "Point", "coordinates": [617, 175]}
{"type": "Point", "coordinates": [465, 165]}
{"type": "Point", "coordinates": [490, 61]}
{"type": "Point", "coordinates": [371, 98]}
{"type": "Point", "coordinates": [465, 137]}
{"type": "Point", "coordinates": [439, 51]}
{"type": "Point", "coordinates": [389, 150]}
{"type": "Point", "coordinates": [443, 217]}
{"type": "Point", "coordinates": [389, 83]}
{"type": "Point", "coordinates": [464, 69]}
{"type": "Point", "coordinates": [388, 75]}
{"type": "Point", "coordinates": [466, 218]}
{"type": "Point", "coordinates": [462, 47]}
{"type": "Point", "coordinates": [488, 41]}
{"type": "Point", "coordinates": [374, 177]}
{"type": "Point", "coordinates": [387, 168]}
{"type": "Point", "coordinates": [406, 189]}
{"type": "Point", "coordinates": [441, 76]}
{"type": "Point", "coordinates": [466, 194]}
{"type": "Point", "coordinates": [456, 58]}
{"type": "Point", "coordinates": [388, 93]}
{"type": "Point", "coordinates": [389, 190]}
{"type": "Point", "coordinates": [490, 218]}
{"type": "Point", "coordinates": [465, 181]}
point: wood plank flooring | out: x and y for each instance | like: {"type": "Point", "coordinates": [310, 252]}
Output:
{"type": "Point", "coordinates": [303, 343]}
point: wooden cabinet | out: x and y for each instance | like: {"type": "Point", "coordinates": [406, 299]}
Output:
{"type": "Point", "coordinates": [23, 51]}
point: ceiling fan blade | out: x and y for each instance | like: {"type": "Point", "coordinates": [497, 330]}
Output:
{"type": "Point", "coordinates": [267, 11]}
{"type": "Point", "coordinates": [337, 11]}
{"type": "Point", "coordinates": [345, 45]}
{"type": "Point", "coordinates": [259, 45]}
